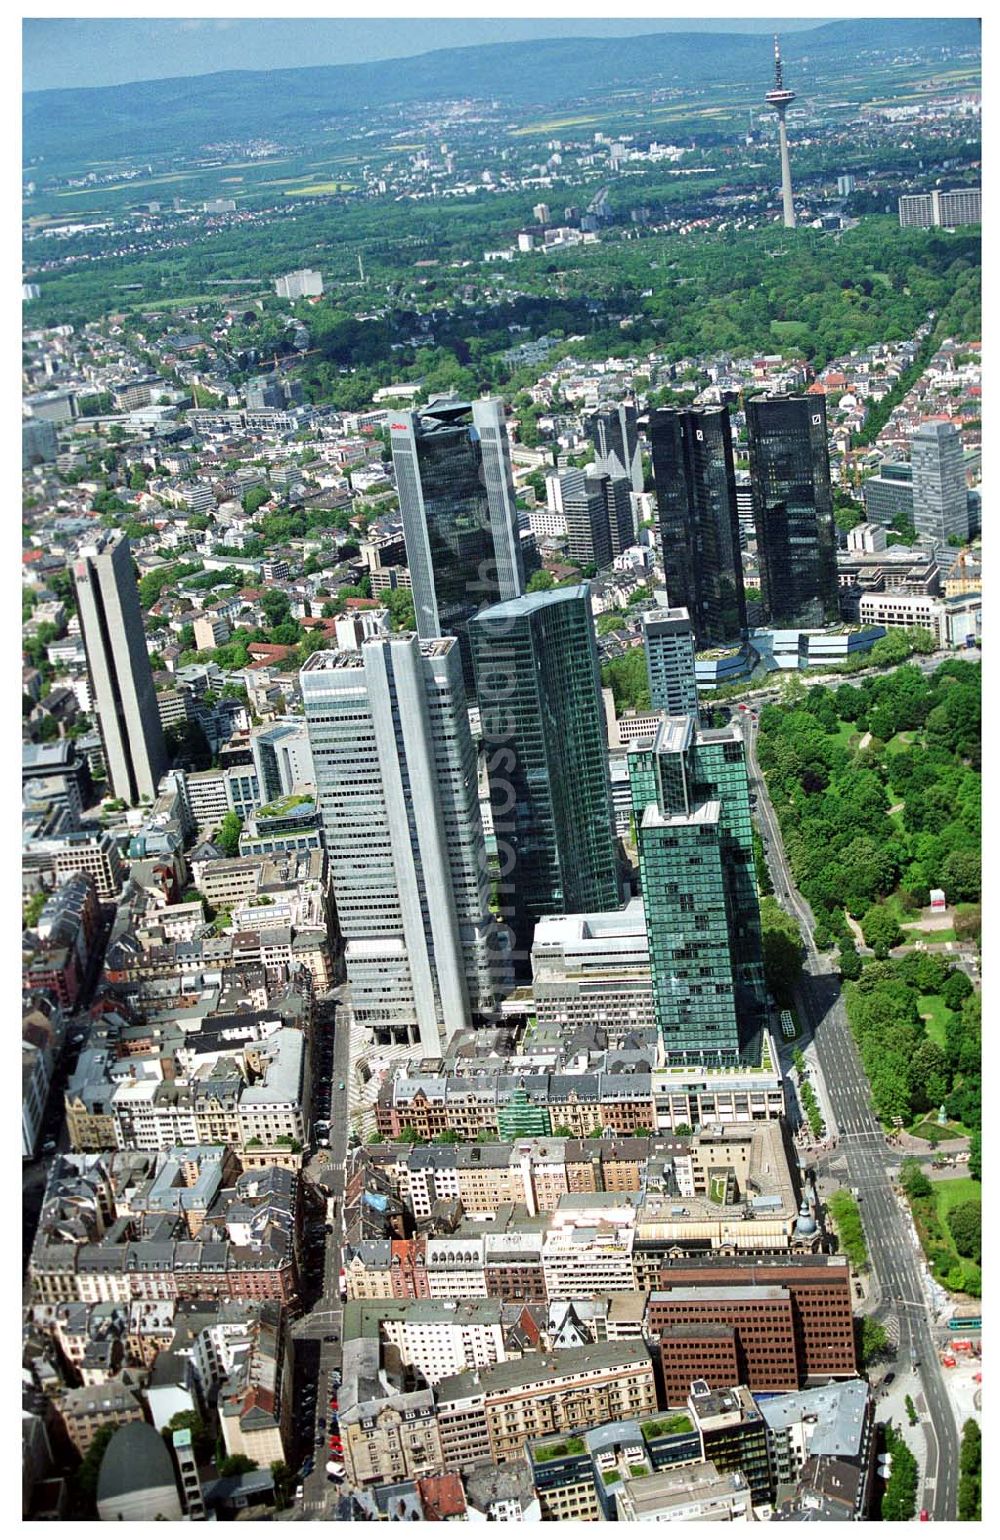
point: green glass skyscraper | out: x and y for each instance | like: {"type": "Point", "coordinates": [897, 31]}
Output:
{"type": "Point", "coordinates": [538, 686]}
{"type": "Point", "coordinates": [691, 798]}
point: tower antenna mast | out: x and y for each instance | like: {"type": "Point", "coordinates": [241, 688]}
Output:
{"type": "Point", "coordinates": [780, 99]}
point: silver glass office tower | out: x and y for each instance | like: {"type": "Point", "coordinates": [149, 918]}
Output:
{"type": "Point", "coordinates": [614, 433]}
{"type": "Point", "coordinates": [598, 512]}
{"type": "Point", "coordinates": [396, 783]}
{"type": "Point", "coordinates": [121, 679]}
{"type": "Point", "coordinates": [456, 497]}
{"type": "Point", "coordinates": [585, 510]}
{"type": "Point", "coordinates": [940, 496]}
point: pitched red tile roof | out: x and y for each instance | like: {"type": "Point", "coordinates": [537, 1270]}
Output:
{"type": "Point", "coordinates": [442, 1497]}
{"type": "Point", "coordinates": [269, 652]}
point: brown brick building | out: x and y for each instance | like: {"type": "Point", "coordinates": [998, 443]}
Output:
{"type": "Point", "coordinates": [515, 1278]}
{"type": "Point", "coordinates": [790, 1320]}
{"type": "Point", "coordinates": [760, 1318]}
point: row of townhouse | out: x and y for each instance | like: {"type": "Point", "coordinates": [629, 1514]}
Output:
{"type": "Point", "coordinates": [426, 1104]}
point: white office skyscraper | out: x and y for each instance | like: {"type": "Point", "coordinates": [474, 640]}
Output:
{"type": "Point", "coordinates": [121, 679]}
{"type": "Point", "coordinates": [282, 758]}
{"type": "Point", "coordinates": [668, 639]}
{"type": "Point", "coordinates": [940, 497]}
{"type": "Point", "coordinates": [396, 780]}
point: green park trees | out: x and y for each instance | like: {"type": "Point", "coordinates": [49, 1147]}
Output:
{"type": "Point", "coordinates": [965, 1221]}
{"type": "Point", "coordinates": [782, 947]}
{"type": "Point", "coordinates": [970, 1472]}
{"type": "Point", "coordinates": [881, 931]}
{"type": "Point", "coordinates": [228, 837]}
{"type": "Point", "coordinates": [833, 797]}
{"type": "Point", "coordinates": [899, 1500]}
{"type": "Point", "coordinates": [628, 680]}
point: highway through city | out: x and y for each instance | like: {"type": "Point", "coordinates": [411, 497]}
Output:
{"type": "Point", "coordinates": [862, 1150]}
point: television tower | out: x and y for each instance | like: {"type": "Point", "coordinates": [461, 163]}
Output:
{"type": "Point", "coordinates": [779, 99]}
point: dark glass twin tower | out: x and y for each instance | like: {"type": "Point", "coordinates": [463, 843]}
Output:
{"type": "Point", "coordinates": [793, 509]}
{"type": "Point", "coordinates": [793, 512]}
{"type": "Point", "coordinates": [699, 531]}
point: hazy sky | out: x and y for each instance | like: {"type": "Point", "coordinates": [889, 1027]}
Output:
{"type": "Point", "coordinates": [101, 52]}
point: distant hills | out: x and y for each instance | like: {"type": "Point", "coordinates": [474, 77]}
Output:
{"type": "Point", "coordinates": [161, 116]}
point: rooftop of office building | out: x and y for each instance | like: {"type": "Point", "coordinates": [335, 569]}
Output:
{"type": "Point", "coordinates": [347, 658]}
{"type": "Point", "coordinates": [528, 604]}
{"type": "Point", "coordinates": [837, 1413]}
{"type": "Point", "coordinates": [525, 1373]}
{"type": "Point", "coordinates": [708, 813]}
{"type": "Point", "coordinates": [677, 616]}
{"type": "Point", "coordinates": [677, 1488]}
{"type": "Point", "coordinates": [617, 925]}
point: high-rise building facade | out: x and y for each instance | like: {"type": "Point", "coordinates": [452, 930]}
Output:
{"type": "Point", "coordinates": [597, 509]}
{"type": "Point", "coordinates": [395, 771]}
{"type": "Point", "coordinates": [282, 758]}
{"type": "Point", "coordinates": [614, 433]}
{"type": "Point", "coordinates": [621, 515]}
{"type": "Point", "coordinates": [539, 693]}
{"type": "Point", "coordinates": [940, 496]}
{"type": "Point", "coordinates": [588, 529]}
{"type": "Point", "coordinates": [793, 510]}
{"type": "Point", "coordinates": [456, 497]}
{"type": "Point", "coordinates": [121, 679]}
{"type": "Point", "coordinates": [691, 800]}
{"type": "Point", "coordinates": [960, 206]}
{"type": "Point", "coordinates": [916, 211]}
{"type": "Point", "coordinates": [699, 528]}
{"type": "Point", "coordinates": [303, 283]}
{"type": "Point", "coordinates": [889, 494]}
{"type": "Point", "coordinates": [668, 640]}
